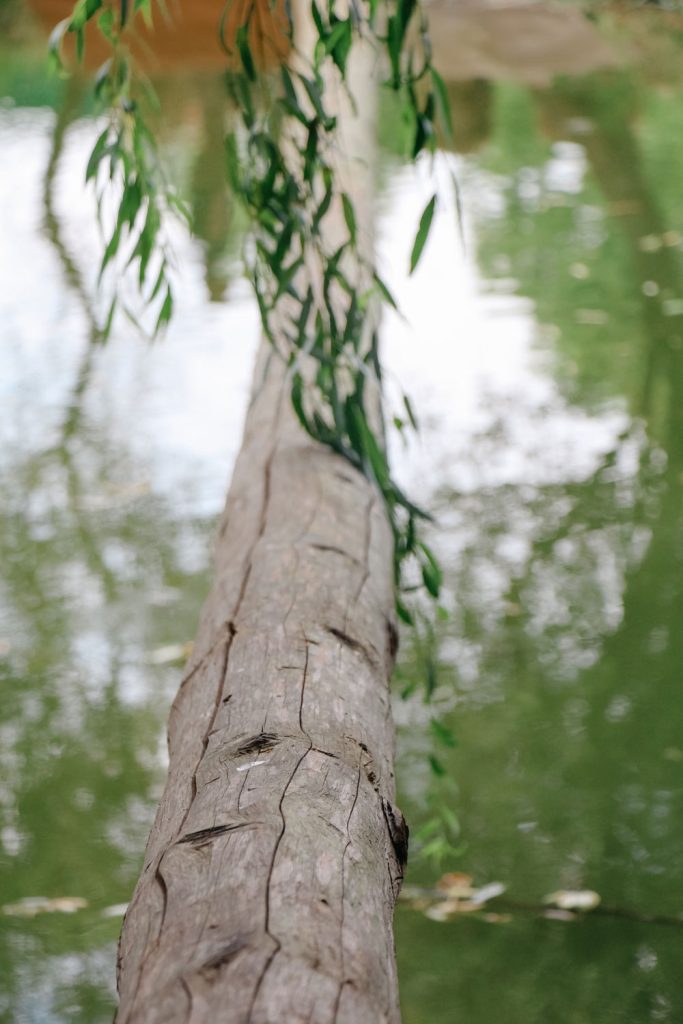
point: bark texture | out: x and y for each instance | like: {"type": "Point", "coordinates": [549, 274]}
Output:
{"type": "Point", "coordinates": [272, 869]}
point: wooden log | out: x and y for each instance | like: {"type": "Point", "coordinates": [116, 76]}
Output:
{"type": "Point", "coordinates": [277, 853]}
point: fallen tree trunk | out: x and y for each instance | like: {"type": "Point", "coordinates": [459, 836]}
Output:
{"type": "Point", "coordinates": [277, 853]}
{"type": "Point", "coordinates": [276, 856]}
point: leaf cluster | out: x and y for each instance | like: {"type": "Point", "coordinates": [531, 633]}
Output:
{"type": "Point", "coordinates": [322, 301]}
{"type": "Point", "coordinates": [124, 161]}
{"type": "Point", "coordinates": [318, 304]}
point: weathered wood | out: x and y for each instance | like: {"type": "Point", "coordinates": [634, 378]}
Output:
{"type": "Point", "coordinates": [273, 866]}
{"type": "Point", "coordinates": [275, 859]}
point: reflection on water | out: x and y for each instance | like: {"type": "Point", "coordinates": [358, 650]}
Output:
{"type": "Point", "coordinates": [547, 363]}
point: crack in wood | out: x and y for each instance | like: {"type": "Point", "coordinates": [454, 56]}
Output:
{"type": "Point", "coordinates": [231, 633]}
{"type": "Point", "coordinates": [278, 841]}
{"type": "Point", "coordinates": [207, 735]}
{"type": "Point", "coordinates": [398, 834]}
{"type": "Point", "coordinates": [338, 551]}
{"type": "Point", "coordinates": [369, 655]}
{"type": "Point", "coordinates": [225, 955]}
{"type": "Point", "coordinates": [204, 836]}
{"type": "Point", "coordinates": [281, 698]}
{"type": "Point", "coordinates": [261, 744]}
{"type": "Point", "coordinates": [343, 893]}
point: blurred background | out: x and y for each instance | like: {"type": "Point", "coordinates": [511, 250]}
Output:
{"type": "Point", "coordinates": [543, 350]}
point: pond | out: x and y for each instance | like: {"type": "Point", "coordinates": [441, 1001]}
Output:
{"type": "Point", "coordinates": [543, 348]}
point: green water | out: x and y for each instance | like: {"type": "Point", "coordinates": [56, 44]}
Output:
{"type": "Point", "coordinates": [548, 366]}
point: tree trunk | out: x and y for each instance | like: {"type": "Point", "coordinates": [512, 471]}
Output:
{"type": "Point", "coordinates": [273, 866]}
{"type": "Point", "coordinates": [277, 853]}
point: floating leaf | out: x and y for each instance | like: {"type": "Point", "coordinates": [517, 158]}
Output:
{"type": "Point", "coordinates": [171, 654]}
{"type": "Point", "coordinates": [488, 892]}
{"type": "Point", "coordinates": [456, 884]}
{"type": "Point", "coordinates": [31, 906]}
{"type": "Point", "coordinates": [559, 915]}
{"type": "Point", "coordinates": [116, 910]}
{"type": "Point", "coordinates": [570, 899]}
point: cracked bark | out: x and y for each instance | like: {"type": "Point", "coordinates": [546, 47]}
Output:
{"type": "Point", "coordinates": [270, 873]}
{"type": "Point", "coordinates": [273, 864]}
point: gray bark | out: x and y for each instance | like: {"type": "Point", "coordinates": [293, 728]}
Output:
{"type": "Point", "coordinates": [276, 856]}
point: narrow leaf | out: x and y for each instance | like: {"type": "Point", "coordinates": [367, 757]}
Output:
{"type": "Point", "coordinates": [349, 217]}
{"type": "Point", "coordinates": [165, 312]}
{"type": "Point", "coordinates": [422, 233]}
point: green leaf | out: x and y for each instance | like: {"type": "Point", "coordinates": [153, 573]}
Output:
{"type": "Point", "coordinates": [107, 24]}
{"type": "Point", "coordinates": [431, 678]}
{"type": "Point", "coordinates": [404, 614]}
{"type": "Point", "coordinates": [242, 40]}
{"type": "Point", "coordinates": [111, 249]}
{"type": "Point", "coordinates": [432, 574]}
{"type": "Point", "coordinates": [314, 92]}
{"type": "Point", "coordinates": [161, 278]}
{"type": "Point", "coordinates": [106, 330]}
{"type": "Point", "coordinates": [338, 43]}
{"type": "Point", "coordinates": [408, 406]}
{"type": "Point", "coordinates": [442, 733]}
{"type": "Point", "coordinates": [82, 13]}
{"type": "Point", "coordinates": [349, 217]}
{"type": "Point", "coordinates": [297, 396]}
{"type": "Point", "coordinates": [422, 233]}
{"type": "Point", "coordinates": [56, 36]}
{"type": "Point", "coordinates": [394, 41]}
{"type": "Point", "coordinates": [318, 216]}
{"type": "Point", "coordinates": [318, 21]}
{"type": "Point", "coordinates": [442, 102]}
{"type": "Point", "coordinates": [311, 152]}
{"type": "Point", "coordinates": [384, 291]}
{"type": "Point", "coordinates": [145, 8]}
{"type": "Point", "coordinates": [96, 155]}
{"type": "Point", "coordinates": [165, 312]}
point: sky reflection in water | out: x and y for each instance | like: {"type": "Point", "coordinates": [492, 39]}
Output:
{"type": "Point", "coordinates": [546, 365]}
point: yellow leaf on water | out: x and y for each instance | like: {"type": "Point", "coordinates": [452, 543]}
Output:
{"type": "Point", "coordinates": [559, 915]}
{"type": "Point", "coordinates": [33, 905]}
{"type": "Point", "coordinates": [650, 243]}
{"type": "Point", "coordinates": [488, 892]}
{"type": "Point", "coordinates": [672, 307]}
{"type": "Point", "coordinates": [456, 884]}
{"type": "Point", "coordinates": [171, 654]}
{"type": "Point", "coordinates": [447, 909]}
{"type": "Point", "coordinates": [570, 899]}
{"type": "Point", "coordinates": [437, 912]}
{"type": "Point", "coordinates": [116, 910]}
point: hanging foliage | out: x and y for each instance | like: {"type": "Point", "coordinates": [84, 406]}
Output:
{"type": "Point", "coordinates": [319, 300]}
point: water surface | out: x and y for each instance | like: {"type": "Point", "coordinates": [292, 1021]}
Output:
{"type": "Point", "coordinates": [546, 360]}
